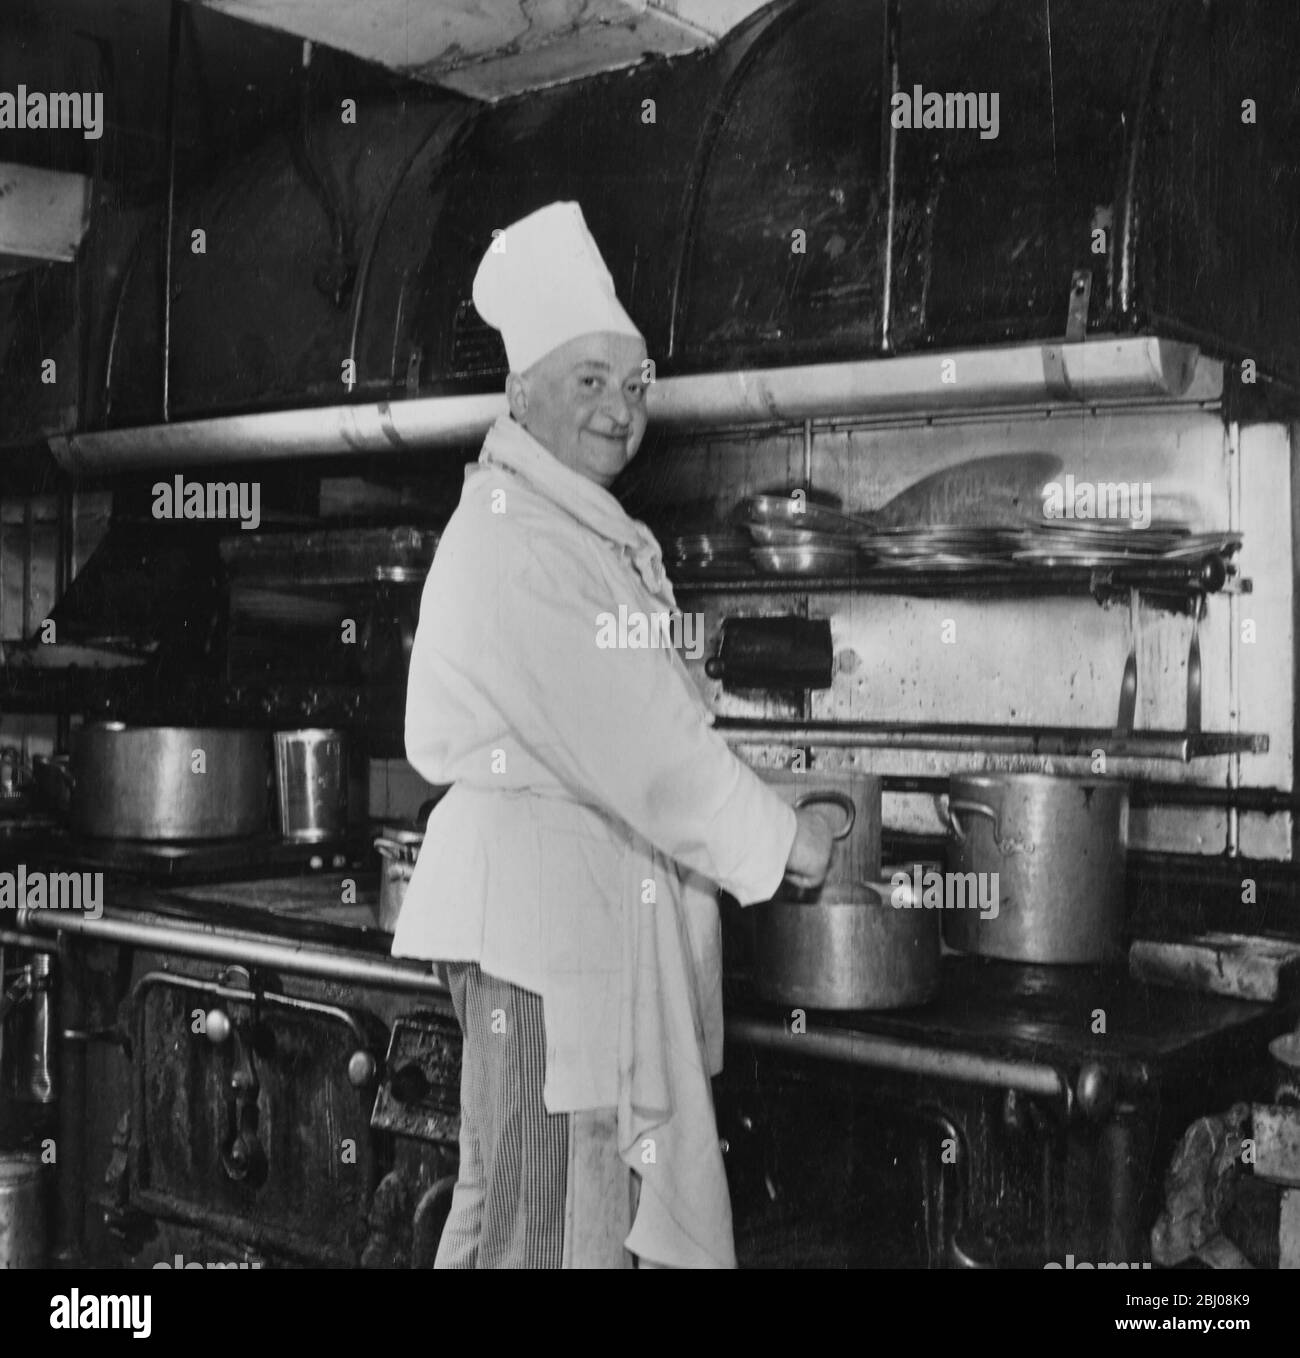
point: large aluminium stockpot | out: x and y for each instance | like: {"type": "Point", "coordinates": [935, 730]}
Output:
{"type": "Point", "coordinates": [168, 782]}
{"type": "Point", "coordinates": [1058, 848]}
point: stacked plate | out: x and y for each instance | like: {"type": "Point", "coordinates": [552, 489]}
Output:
{"type": "Point", "coordinates": [764, 515]}
{"type": "Point", "coordinates": [721, 553]}
{"type": "Point", "coordinates": [815, 558]}
{"type": "Point", "coordinates": [1070, 542]}
{"type": "Point", "coordinates": [800, 536]}
{"type": "Point", "coordinates": [943, 547]}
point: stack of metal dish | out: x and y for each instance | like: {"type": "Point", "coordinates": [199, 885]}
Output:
{"type": "Point", "coordinates": [796, 536]}
{"type": "Point", "coordinates": [1093, 544]}
{"type": "Point", "coordinates": [944, 547]}
{"type": "Point", "coordinates": [724, 552]}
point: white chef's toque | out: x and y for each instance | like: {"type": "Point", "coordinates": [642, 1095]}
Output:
{"type": "Point", "coordinates": [543, 282]}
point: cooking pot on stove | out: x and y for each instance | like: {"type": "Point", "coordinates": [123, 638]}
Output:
{"type": "Point", "coordinates": [168, 782]}
{"type": "Point", "coordinates": [856, 854]}
{"type": "Point", "coordinates": [1058, 846]}
{"type": "Point", "coordinates": [399, 847]}
{"type": "Point", "coordinates": [853, 948]}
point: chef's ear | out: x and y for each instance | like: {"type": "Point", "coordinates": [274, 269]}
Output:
{"type": "Point", "coordinates": [517, 395]}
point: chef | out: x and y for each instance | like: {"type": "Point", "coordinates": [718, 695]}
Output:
{"type": "Point", "coordinates": [569, 877]}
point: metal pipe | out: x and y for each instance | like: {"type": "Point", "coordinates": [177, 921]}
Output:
{"type": "Point", "coordinates": [169, 155]}
{"type": "Point", "coordinates": [17, 940]}
{"type": "Point", "coordinates": [40, 1083]}
{"type": "Point", "coordinates": [892, 21]}
{"type": "Point", "coordinates": [1122, 1170]}
{"type": "Point", "coordinates": [224, 946]}
{"type": "Point", "coordinates": [70, 1208]}
{"type": "Point", "coordinates": [1063, 742]}
{"type": "Point", "coordinates": [1270, 800]}
{"type": "Point", "coordinates": [1126, 369]}
{"type": "Point", "coordinates": [911, 1058]}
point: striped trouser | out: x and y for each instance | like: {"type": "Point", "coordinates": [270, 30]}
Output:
{"type": "Point", "coordinates": [534, 1189]}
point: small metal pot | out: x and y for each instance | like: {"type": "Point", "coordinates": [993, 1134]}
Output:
{"type": "Point", "coordinates": [311, 778]}
{"type": "Point", "coordinates": [851, 951]}
{"type": "Point", "coordinates": [398, 849]}
{"type": "Point", "coordinates": [22, 1212]}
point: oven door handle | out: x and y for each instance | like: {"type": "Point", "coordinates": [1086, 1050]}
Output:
{"type": "Point", "coordinates": [223, 991]}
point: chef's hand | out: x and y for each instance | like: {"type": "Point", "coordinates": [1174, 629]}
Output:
{"type": "Point", "coordinates": [810, 854]}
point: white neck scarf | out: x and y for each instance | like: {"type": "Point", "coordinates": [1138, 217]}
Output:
{"type": "Point", "coordinates": [511, 447]}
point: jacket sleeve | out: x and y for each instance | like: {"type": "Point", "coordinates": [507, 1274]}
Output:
{"type": "Point", "coordinates": [622, 729]}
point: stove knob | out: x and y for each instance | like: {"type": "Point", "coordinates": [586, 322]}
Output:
{"type": "Point", "coordinates": [362, 1068]}
{"type": "Point", "coordinates": [217, 1026]}
{"type": "Point", "coordinates": [1096, 1089]}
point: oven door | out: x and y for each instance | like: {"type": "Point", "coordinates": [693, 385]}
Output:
{"type": "Point", "coordinates": [250, 1115]}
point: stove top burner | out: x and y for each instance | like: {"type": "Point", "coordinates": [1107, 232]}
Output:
{"type": "Point", "coordinates": [197, 860]}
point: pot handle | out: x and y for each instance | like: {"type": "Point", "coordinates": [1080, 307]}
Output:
{"type": "Point", "coordinates": [830, 797]}
{"type": "Point", "coordinates": [949, 806]}
{"type": "Point", "coordinates": [974, 808]}
{"type": "Point", "coordinates": [391, 849]}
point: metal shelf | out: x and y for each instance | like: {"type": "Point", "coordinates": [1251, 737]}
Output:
{"type": "Point", "coordinates": [1176, 586]}
{"type": "Point", "coordinates": [1060, 741]}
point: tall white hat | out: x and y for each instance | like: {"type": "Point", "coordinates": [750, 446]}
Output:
{"type": "Point", "coordinates": [543, 282]}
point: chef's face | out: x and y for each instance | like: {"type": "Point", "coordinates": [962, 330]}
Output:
{"type": "Point", "coordinates": [584, 402]}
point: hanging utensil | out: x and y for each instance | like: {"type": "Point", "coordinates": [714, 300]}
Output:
{"type": "Point", "coordinates": [1194, 672]}
{"type": "Point", "coordinates": [1129, 684]}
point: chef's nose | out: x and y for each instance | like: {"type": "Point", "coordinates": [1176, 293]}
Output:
{"type": "Point", "coordinates": [615, 407]}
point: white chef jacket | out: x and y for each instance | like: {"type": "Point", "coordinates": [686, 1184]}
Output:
{"type": "Point", "coordinates": [593, 809]}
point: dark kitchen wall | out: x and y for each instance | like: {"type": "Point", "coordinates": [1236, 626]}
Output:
{"type": "Point", "coordinates": [748, 214]}
{"type": "Point", "coordinates": [237, 86]}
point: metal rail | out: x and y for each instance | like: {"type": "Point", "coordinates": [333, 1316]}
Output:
{"type": "Point", "coordinates": [1061, 741]}
{"type": "Point", "coordinates": [910, 1058]}
{"type": "Point", "coordinates": [222, 945]}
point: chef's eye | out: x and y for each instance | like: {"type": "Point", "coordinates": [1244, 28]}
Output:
{"type": "Point", "coordinates": [636, 391]}
{"type": "Point", "coordinates": [591, 383]}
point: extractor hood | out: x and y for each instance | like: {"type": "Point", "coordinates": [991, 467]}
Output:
{"type": "Point", "coordinates": [490, 49]}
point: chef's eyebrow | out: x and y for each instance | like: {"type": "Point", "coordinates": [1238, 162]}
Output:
{"type": "Point", "coordinates": [601, 366]}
